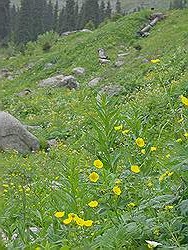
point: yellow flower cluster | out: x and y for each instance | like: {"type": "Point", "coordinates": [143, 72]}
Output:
{"type": "Point", "coordinates": [93, 204]}
{"type": "Point", "coordinates": [184, 100]}
{"type": "Point", "coordinates": [166, 174]}
{"type": "Point", "coordinates": [120, 128]}
{"type": "Point", "coordinates": [74, 218]}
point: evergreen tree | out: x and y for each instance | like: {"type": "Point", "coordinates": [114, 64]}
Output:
{"type": "Point", "coordinates": [69, 15]}
{"type": "Point", "coordinates": [4, 19]}
{"type": "Point", "coordinates": [76, 14]}
{"type": "Point", "coordinates": [118, 7]}
{"type": "Point", "coordinates": [178, 4]}
{"type": "Point", "coordinates": [91, 12]}
{"type": "Point", "coordinates": [48, 16]}
{"type": "Point", "coordinates": [62, 21]}
{"type": "Point", "coordinates": [55, 17]}
{"type": "Point", "coordinates": [81, 17]}
{"type": "Point", "coordinates": [25, 31]}
{"type": "Point", "coordinates": [13, 21]}
{"type": "Point", "coordinates": [102, 12]}
{"type": "Point", "coordinates": [38, 17]}
{"type": "Point", "coordinates": [108, 11]}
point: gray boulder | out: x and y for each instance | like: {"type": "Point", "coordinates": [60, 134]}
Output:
{"type": "Point", "coordinates": [60, 81]}
{"type": "Point", "coordinates": [111, 90]}
{"type": "Point", "coordinates": [94, 82]}
{"type": "Point", "coordinates": [5, 73]}
{"type": "Point", "coordinates": [13, 135]}
{"type": "Point", "coordinates": [78, 71]}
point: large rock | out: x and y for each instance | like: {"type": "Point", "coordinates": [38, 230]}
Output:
{"type": "Point", "coordinates": [13, 135]}
{"type": "Point", "coordinates": [60, 81]}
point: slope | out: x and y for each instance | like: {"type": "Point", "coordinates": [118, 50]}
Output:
{"type": "Point", "coordinates": [149, 200]}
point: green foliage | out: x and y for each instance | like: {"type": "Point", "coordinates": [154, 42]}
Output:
{"type": "Point", "coordinates": [132, 207]}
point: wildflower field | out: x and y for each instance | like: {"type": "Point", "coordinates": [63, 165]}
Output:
{"type": "Point", "coordinates": [118, 177]}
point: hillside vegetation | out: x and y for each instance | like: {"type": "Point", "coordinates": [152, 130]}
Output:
{"type": "Point", "coordinates": [138, 189]}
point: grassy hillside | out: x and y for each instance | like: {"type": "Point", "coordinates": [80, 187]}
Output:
{"type": "Point", "coordinates": [135, 204]}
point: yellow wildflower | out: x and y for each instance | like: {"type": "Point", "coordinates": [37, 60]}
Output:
{"type": "Point", "coordinates": [126, 131]}
{"type": "Point", "coordinates": [169, 173]}
{"type": "Point", "coordinates": [143, 151]}
{"type": "Point", "coordinates": [59, 214]}
{"type": "Point", "coordinates": [184, 100]}
{"type": "Point", "coordinates": [135, 169]}
{"type": "Point", "coordinates": [140, 142]}
{"type": "Point", "coordinates": [179, 140]}
{"type": "Point", "coordinates": [131, 204]}
{"type": "Point", "coordinates": [153, 149]}
{"type": "Point", "coordinates": [149, 184]}
{"type": "Point", "coordinates": [186, 134]}
{"type": "Point", "coordinates": [116, 190]}
{"type": "Point", "coordinates": [37, 248]}
{"type": "Point", "coordinates": [5, 185]}
{"type": "Point", "coordinates": [180, 120]}
{"type": "Point", "coordinates": [169, 207]}
{"type": "Point", "coordinates": [93, 177]}
{"type": "Point", "coordinates": [67, 221]}
{"type": "Point", "coordinates": [93, 204]}
{"type": "Point", "coordinates": [118, 182]}
{"type": "Point", "coordinates": [79, 221]}
{"type": "Point", "coordinates": [155, 61]}
{"type": "Point", "coordinates": [98, 164]}
{"type": "Point", "coordinates": [118, 128]}
{"type": "Point", "coordinates": [168, 156]}
{"type": "Point", "coordinates": [88, 223]}
{"type": "Point", "coordinates": [161, 178]}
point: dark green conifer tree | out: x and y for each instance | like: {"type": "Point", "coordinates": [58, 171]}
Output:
{"type": "Point", "coordinates": [48, 16]}
{"type": "Point", "coordinates": [101, 12]}
{"type": "Point", "coordinates": [108, 11]}
{"type": "Point", "coordinates": [69, 15]}
{"type": "Point", "coordinates": [55, 18]}
{"type": "Point", "coordinates": [118, 7]}
{"type": "Point", "coordinates": [91, 12]}
{"type": "Point", "coordinates": [4, 19]}
{"type": "Point", "coordinates": [62, 21]}
{"type": "Point", "coordinates": [25, 30]}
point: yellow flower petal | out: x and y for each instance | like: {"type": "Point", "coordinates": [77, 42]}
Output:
{"type": "Point", "coordinates": [186, 134]}
{"type": "Point", "coordinates": [153, 149]}
{"type": "Point", "coordinates": [79, 221]}
{"type": "Point", "coordinates": [168, 207]}
{"type": "Point", "coordinates": [184, 100]}
{"type": "Point", "coordinates": [143, 151]}
{"type": "Point", "coordinates": [131, 204]}
{"type": "Point", "coordinates": [98, 164]}
{"type": "Point", "coordinates": [93, 204]}
{"type": "Point", "coordinates": [140, 142]}
{"type": "Point", "coordinates": [118, 128]}
{"type": "Point", "coordinates": [179, 140]}
{"type": "Point", "coordinates": [155, 61]}
{"type": "Point", "coordinates": [67, 221]}
{"type": "Point", "coordinates": [93, 177]}
{"type": "Point", "coordinates": [117, 190]}
{"type": "Point", "coordinates": [135, 169]}
{"type": "Point", "coordinates": [126, 131]}
{"type": "Point", "coordinates": [59, 214]}
{"type": "Point", "coordinates": [88, 223]}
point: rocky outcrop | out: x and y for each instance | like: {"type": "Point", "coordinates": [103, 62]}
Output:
{"type": "Point", "coordinates": [60, 81]}
{"type": "Point", "coordinates": [111, 90]}
{"type": "Point", "coordinates": [76, 31]}
{"type": "Point", "coordinates": [14, 136]}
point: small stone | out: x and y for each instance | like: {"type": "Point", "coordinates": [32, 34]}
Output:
{"type": "Point", "coordinates": [78, 71]}
{"type": "Point", "coordinates": [94, 82]}
{"type": "Point", "coordinates": [111, 90]}
{"type": "Point", "coordinates": [60, 81]}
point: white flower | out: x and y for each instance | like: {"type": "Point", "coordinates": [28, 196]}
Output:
{"type": "Point", "coordinates": [153, 244]}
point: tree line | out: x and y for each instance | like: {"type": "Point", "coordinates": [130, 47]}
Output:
{"type": "Point", "coordinates": [35, 17]}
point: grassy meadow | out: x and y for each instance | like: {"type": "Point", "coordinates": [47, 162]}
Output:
{"type": "Point", "coordinates": [118, 176]}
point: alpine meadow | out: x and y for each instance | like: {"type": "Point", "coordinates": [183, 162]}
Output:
{"type": "Point", "coordinates": [94, 131]}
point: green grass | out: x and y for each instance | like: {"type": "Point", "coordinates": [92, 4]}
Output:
{"type": "Point", "coordinates": [35, 186]}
